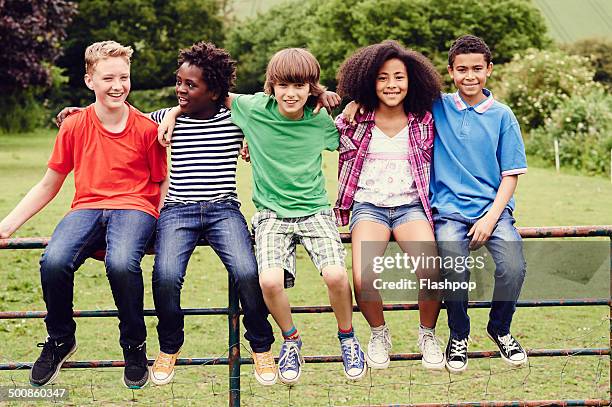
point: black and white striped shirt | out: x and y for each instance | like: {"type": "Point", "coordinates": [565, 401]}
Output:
{"type": "Point", "coordinates": [204, 155]}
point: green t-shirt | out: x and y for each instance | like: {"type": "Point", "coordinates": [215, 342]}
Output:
{"type": "Point", "coordinates": [285, 155]}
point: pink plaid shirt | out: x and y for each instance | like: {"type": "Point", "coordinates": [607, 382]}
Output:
{"type": "Point", "coordinates": [354, 142]}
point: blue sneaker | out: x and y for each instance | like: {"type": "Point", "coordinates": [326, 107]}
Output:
{"type": "Point", "coordinates": [353, 358]}
{"type": "Point", "coordinates": [290, 362]}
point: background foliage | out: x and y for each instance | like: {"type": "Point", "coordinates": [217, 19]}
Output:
{"type": "Point", "coordinates": [156, 29]}
{"type": "Point", "coordinates": [333, 29]}
{"type": "Point", "coordinates": [30, 33]}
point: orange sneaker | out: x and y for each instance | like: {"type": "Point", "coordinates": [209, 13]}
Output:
{"type": "Point", "coordinates": [162, 371]}
{"type": "Point", "coordinates": [265, 368]}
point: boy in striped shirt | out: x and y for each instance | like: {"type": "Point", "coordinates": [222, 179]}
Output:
{"type": "Point", "coordinates": [201, 203]}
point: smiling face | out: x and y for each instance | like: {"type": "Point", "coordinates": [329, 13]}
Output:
{"type": "Point", "coordinates": [291, 98]}
{"type": "Point", "coordinates": [392, 83]}
{"type": "Point", "coordinates": [469, 73]}
{"type": "Point", "coordinates": [193, 95]}
{"type": "Point", "coordinates": [110, 81]}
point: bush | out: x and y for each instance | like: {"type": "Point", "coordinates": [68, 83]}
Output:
{"type": "Point", "coordinates": [535, 83]}
{"type": "Point", "coordinates": [156, 30]}
{"type": "Point", "coordinates": [583, 127]}
{"type": "Point", "coordinates": [22, 111]}
{"type": "Point", "coordinates": [334, 29]}
{"type": "Point", "coordinates": [151, 100]}
{"type": "Point", "coordinates": [599, 52]}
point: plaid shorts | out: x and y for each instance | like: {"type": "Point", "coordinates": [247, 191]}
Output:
{"type": "Point", "coordinates": [276, 238]}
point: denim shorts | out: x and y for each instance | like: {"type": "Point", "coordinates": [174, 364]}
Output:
{"type": "Point", "coordinates": [391, 217]}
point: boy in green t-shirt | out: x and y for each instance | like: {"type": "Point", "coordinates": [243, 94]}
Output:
{"type": "Point", "coordinates": [286, 139]}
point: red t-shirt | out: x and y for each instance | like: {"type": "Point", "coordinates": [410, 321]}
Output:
{"type": "Point", "coordinates": [111, 170]}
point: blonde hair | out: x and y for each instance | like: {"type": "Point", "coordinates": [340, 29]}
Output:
{"type": "Point", "coordinates": [105, 49]}
{"type": "Point", "coordinates": [294, 65]}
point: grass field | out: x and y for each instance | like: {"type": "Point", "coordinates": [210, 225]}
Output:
{"type": "Point", "coordinates": [543, 198]}
{"type": "Point", "coordinates": [572, 20]}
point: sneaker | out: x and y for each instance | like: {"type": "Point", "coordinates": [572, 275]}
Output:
{"type": "Point", "coordinates": [162, 371]}
{"type": "Point", "coordinates": [290, 361]}
{"type": "Point", "coordinates": [433, 357]}
{"type": "Point", "coordinates": [456, 355]}
{"type": "Point", "coordinates": [353, 358]}
{"type": "Point", "coordinates": [136, 371]}
{"type": "Point", "coordinates": [510, 350]}
{"type": "Point", "coordinates": [378, 348]}
{"type": "Point", "coordinates": [265, 368]}
{"type": "Point", "coordinates": [48, 365]}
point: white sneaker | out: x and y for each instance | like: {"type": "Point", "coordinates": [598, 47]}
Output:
{"type": "Point", "coordinates": [433, 357]}
{"type": "Point", "coordinates": [377, 355]}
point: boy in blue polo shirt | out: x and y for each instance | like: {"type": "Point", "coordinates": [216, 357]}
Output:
{"type": "Point", "coordinates": [478, 155]}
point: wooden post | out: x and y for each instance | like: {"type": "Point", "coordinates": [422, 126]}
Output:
{"type": "Point", "coordinates": [557, 165]}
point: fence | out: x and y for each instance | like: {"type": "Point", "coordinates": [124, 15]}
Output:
{"type": "Point", "coordinates": [234, 361]}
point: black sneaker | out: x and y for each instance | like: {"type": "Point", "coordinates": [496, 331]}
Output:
{"type": "Point", "coordinates": [136, 371]}
{"type": "Point", "coordinates": [48, 365]}
{"type": "Point", "coordinates": [510, 350]}
{"type": "Point", "coordinates": [456, 355]}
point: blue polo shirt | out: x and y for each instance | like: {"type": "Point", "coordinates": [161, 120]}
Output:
{"type": "Point", "coordinates": [474, 147]}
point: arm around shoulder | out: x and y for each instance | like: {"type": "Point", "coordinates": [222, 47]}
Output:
{"type": "Point", "coordinates": [36, 199]}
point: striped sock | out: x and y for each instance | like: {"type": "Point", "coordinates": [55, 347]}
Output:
{"type": "Point", "coordinates": [344, 334]}
{"type": "Point", "coordinates": [292, 334]}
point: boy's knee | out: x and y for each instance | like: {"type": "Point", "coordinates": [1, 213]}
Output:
{"type": "Point", "coordinates": [52, 264]}
{"type": "Point", "coordinates": [119, 265]}
{"type": "Point", "coordinates": [167, 282]}
{"type": "Point", "coordinates": [335, 277]}
{"type": "Point", "coordinates": [270, 283]}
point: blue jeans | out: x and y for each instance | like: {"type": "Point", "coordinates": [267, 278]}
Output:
{"type": "Point", "coordinates": [125, 234]}
{"type": "Point", "coordinates": [505, 246]}
{"type": "Point", "coordinates": [178, 230]}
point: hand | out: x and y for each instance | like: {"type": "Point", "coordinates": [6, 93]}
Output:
{"type": "Point", "coordinates": [244, 153]}
{"type": "Point", "coordinates": [65, 112]}
{"type": "Point", "coordinates": [5, 231]}
{"type": "Point", "coordinates": [481, 231]}
{"type": "Point", "coordinates": [350, 111]}
{"type": "Point", "coordinates": [329, 100]}
{"type": "Point", "coordinates": [166, 127]}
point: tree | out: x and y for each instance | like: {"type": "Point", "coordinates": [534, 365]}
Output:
{"type": "Point", "coordinates": [30, 33]}
{"type": "Point", "coordinates": [333, 29]}
{"type": "Point", "coordinates": [156, 29]}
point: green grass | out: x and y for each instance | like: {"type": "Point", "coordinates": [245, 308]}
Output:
{"type": "Point", "coordinates": [572, 20]}
{"type": "Point", "coordinates": [543, 198]}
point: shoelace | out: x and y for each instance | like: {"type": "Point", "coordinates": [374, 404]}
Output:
{"type": "Point", "coordinates": [382, 337]}
{"type": "Point", "coordinates": [349, 348]}
{"type": "Point", "coordinates": [509, 343]}
{"type": "Point", "coordinates": [164, 360]}
{"type": "Point", "coordinates": [429, 341]}
{"type": "Point", "coordinates": [48, 353]}
{"type": "Point", "coordinates": [266, 360]}
{"type": "Point", "coordinates": [458, 347]}
{"type": "Point", "coordinates": [290, 357]}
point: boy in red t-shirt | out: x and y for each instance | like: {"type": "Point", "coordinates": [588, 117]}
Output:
{"type": "Point", "coordinates": [119, 172]}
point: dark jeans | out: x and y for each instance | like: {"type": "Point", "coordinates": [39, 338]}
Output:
{"type": "Point", "coordinates": [505, 246]}
{"type": "Point", "coordinates": [178, 230]}
{"type": "Point", "coordinates": [124, 233]}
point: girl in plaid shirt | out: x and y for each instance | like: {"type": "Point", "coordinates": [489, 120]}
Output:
{"type": "Point", "coordinates": [385, 156]}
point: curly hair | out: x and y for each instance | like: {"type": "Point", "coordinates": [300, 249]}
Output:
{"type": "Point", "coordinates": [218, 67]}
{"type": "Point", "coordinates": [468, 44]}
{"type": "Point", "coordinates": [357, 76]}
